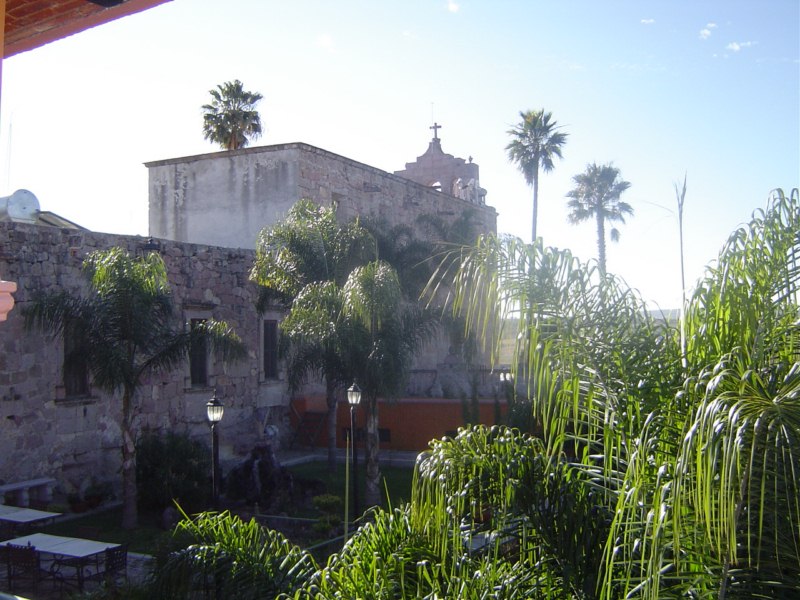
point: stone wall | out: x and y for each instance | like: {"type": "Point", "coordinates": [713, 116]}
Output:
{"type": "Point", "coordinates": [43, 434]}
{"type": "Point", "coordinates": [226, 198]}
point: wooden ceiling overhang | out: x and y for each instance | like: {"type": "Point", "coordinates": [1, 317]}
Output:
{"type": "Point", "coordinates": [33, 23]}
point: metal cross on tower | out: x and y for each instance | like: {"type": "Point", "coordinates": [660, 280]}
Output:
{"type": "Point", "coordinates": [436, 127]}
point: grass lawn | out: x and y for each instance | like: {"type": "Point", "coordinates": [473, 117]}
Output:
{"type": "Point", "coordinates": [396, 481]}
{"type": "Point", "coordinates": [105, 525]}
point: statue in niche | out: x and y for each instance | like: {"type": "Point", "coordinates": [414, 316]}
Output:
{"type": "Point", "coordinates": [471, 191]}
{"type": "Point", "coordinates": [458, 190]}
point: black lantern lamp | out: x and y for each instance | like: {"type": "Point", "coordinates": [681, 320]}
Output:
{"type": "Point", "coordinates": [354, 399]}
{"type": "Point", "coordinates": [215, 409]}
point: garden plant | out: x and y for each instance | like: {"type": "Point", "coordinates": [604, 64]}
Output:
{"type": "Point", "coordinates": [654, 473]}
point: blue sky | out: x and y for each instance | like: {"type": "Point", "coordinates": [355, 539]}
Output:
{"type": "Point", "coordinates": [706, 88]}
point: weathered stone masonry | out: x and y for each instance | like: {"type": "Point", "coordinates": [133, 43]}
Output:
{"type": "Point", "coordinates": [226, 198]}
{"type": "Point", "coordinates": [43, 434]}
{"type": "Point", "coordinates": [223, 199]}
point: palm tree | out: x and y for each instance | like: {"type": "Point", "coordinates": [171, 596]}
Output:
{"type": "Point", "coordinates": [301, 262]}
{"type": "Point", "coordinates": [409, 256]}
{"type": "Point", "coordinates": [122, 332]}
{"type": "Point", "coordinates": [231, 119]}
{"type": "Point", "coordinates": [392, 330]}
{"type": "Point", "coordinates": [687, 478]}
{"type": "Point", "coordinates": [649, 480]}
{"type": "Point", "coordinates": [535, 142]}
{"type": "Point", "coordinates": [596, 195]}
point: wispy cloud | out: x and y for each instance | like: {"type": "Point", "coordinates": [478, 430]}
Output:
{"type": "Point", "coordinates": [648, 21]}
{"type": "Point", "coordinates": [452, 6]}
{"type": "Point", "coordinates": [705, 32]}
{"type": "Point", "coordinates": [736, 46]}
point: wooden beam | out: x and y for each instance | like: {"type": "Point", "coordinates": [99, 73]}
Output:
{"type": "Point", "coordinates": [75, 25]}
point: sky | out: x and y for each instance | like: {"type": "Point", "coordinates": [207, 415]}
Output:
{"type": "Point", "coordinates": [705, 89]}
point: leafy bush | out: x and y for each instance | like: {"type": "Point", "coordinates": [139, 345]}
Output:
{"type": "Point", "coordinates": [172, 467]}
{"type": "Point", "coordinates": [230, 558]}
{"type": "Point", "coordinates": [331, 507]}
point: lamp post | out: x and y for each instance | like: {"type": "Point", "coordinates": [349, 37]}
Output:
{"type": "Point", "coordinates": [353, 399]}
{"type": "Point", "coordinates": [214, 410]}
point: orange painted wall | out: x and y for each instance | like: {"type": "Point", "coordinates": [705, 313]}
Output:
{"type": "Point", "coordinates": [411, 422]}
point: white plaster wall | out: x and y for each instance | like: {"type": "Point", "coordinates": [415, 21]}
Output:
{"type": "Point", "coordinates": [226, 198]}
{"type": "Point", "coordinates": [222, 199]}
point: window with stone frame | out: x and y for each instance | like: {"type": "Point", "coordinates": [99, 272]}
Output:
{"type": "Point", "coordinates": [76, 371]}
{"type": "Point", "coordinates": [198, 358]}
{"type": "Point", "coordinates": [270, 354]}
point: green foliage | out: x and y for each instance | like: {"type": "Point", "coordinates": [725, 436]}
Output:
{"type": "Point", "coordinates": [650, 478]}
{"type": "Point", "coordinates": [124, 330]}
{"type": "Point", "coordinates": [328, 504]}
{"type": "Point", "coordinates": [691, 470]}
{"type": "Point", "coordinates": [409, 256]}
{"type": "Point", "coordinates": [126, 591]}
{"type": "Point", "coordinates": [231, 119]}
{"type": "Point", "coordinates": [535, 142]}
{"type": "Point", "coordinates": [332, 508]}
{"type": "Point", "coordinates": [520, 416]}
{"type": "Point", "coordinates": [172, 468]}
{"type": "Point", "coordinates": [226, 557]}
{"type": "Point", "coordinates": [596, 195]}
{"type": "Point", "coordinates": [308, 246]}
{"type": "Point", "coordinates": [393, 329]}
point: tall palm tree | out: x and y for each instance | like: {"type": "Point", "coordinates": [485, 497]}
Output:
{"type": "Point", "coordinates": [535, 142]}
{"type": "Point", "coordinates": [597, 195]}
{"type": "Point", "coordinates": [231, 119]}
{"type": "Point", "coordinates": [392, 331]}
{"type": "Point", "coordinates": [123, 331]}
{"type": "Point", "coordinates": [405, 251]}
{"type": "Point", "coordinates": [301, 262]}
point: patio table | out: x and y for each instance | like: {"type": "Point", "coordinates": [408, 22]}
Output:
{"type": "Point", "coordinates": [81, 552]}
{"type": "Point", "coordinates": [15, 520]}
{"type": "Point", "coordinates": [17, 516]}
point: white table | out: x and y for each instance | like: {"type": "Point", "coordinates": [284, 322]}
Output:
{"type": "Point", "coordinates": [64, 547]}
{"type": "Point", "coordinates": [25, 516]}
{"type": "Point", "coordinates": [22, 519]}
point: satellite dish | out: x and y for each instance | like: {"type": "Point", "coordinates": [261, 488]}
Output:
{"type": "Point", "coordinates": [21, 206]}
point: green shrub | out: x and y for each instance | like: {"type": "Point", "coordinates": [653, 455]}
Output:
{"type": "Point", "coordinates": [232, 558]}
{"type": "Point", "coordinates": [520, 416]}
{"type": "Point", "coordinates": [172, 467]}
{"type": "Point", "coordinates": [328, 504]}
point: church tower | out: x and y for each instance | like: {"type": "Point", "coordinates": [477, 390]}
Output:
{"type": "Point", "coordinates": [446, 173]}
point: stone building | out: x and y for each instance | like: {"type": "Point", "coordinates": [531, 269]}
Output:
{"type": "Point", "coordinates": [47, 429]}
{"type": "Point", "coordinates": [226, 198]}
{"type": "Point", "coordinates": [205, 214]}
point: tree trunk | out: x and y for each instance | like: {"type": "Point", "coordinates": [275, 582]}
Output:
{"type": "Point", "coordinates": [130, 516]}
{"type": "Point", "coordinates": [330, 396]}
{"type": "Point", "coordinates": [535, 207]}
{"type": "Point", "coordinates": [372, 493]}
{"type": "Point", "coordinates": [601, 243]}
